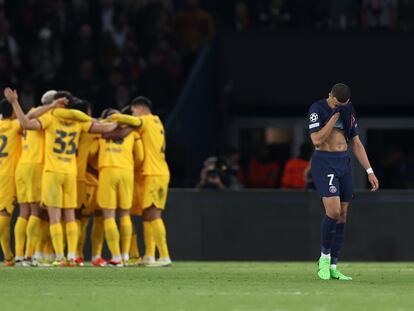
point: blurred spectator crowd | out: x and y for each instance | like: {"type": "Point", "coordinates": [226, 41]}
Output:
{"type": "Point", "coordinates": [225, 172]}
{"type": "Point", "coordinates": [323, 14]}
{"type": "Point", "coordinates": [106, 51]}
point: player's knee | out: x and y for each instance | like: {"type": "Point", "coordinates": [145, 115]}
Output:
{"type": "Point", "coordinates": [152, 213]}
{"type": "Point", "coordinates": [333, 213]}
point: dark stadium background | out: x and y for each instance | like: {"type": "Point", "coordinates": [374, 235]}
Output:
{"type": "Point", "coordinates": [232, 78]}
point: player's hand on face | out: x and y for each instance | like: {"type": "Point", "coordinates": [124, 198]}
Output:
{"type": "Point", "coordinates": [10, 94]}
{"type": "Point", "coordinates": [373, 181]}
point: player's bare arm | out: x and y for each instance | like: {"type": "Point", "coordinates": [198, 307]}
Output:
{"type": "Point", "coordinates": [58, 103]}
{"type": "Point", "coordinates": [320, 137]}
{"type": "Point", "coordinates": [359, 151]}
{"type": "Point", "coordinates": [98, 127]}
{"type": "Point", "coordinates": [25, 122]}
{"type": "Point", "coordinates": [118, 133]}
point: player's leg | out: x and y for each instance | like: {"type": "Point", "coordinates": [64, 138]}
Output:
{"type": "Point", "coordinates": [149, 242]}
{"type": "Point", "coordinates": [107, 201]}
{"type": "Point", "coordinates": [125, 195]}
{"type": "Point", "coordinates": [56, 235]}
{"type": "Point", "coordinates": [141, 193]}
{"type": "Point", "coordinates": [82, 239]}
{"type": "Point", "coordinates": [70, 200]}
{"type": "Point", "coordinates": [81, 200]}
{"type": "Point", "coordinates": [31, 188]}
{"type": "Point", "coordinates": [53, 199]}
{"type": "Point", "coordinates": [97, 239]}
{"type": "Point", "coordinates": [20, 232]}
{"type": "Point", "coordinates": [22, 189]}
{"type": "Point", "coordinates": [327, 184]}
{"type": "Point", "coordinates": [125, 224]}
{"type": "Point", "coordinates": [112, 236]}
{"type": "Point", "coordinates": [328, 228]}
{"type": "Point", "coordinates": [153, 216]}
{"type": "Point", "coordinates": [338, 242]}
{"type": "Point", "coordinates": [32, 232]}
{"type": "Point", "coordinates": [5, 218]}
{"type": "Point", "coordinates": [44, 236]}
{"type": "Point", "coordinates": [72, 234]}
{"type": "Point", "coordinates": [346, 196]}
{"type": "Point", "coordinates": [7, 198]}
{"type": "Point", "coordinates": [134, 256]}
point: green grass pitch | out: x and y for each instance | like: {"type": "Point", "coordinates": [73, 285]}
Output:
{"type": "Point", "coordinates": [190, 286]}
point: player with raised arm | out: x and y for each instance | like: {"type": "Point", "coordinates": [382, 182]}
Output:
{"type": "Point", "coordinates": [333, 128]}
{"type": "Point", "coordinates": [10, 145]}
{"type": "Point", "coordinates": [28, 187]}
{"type": "Point", "coordinates": [155, 179]}
{"type": "Point", "coordinates": [59, 192]}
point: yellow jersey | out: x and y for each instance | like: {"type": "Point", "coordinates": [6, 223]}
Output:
{"type": "Point", "coordinates": [10, 146]}
{"type": "Point", "coordinates": [61, 143]}
{"type": "Point", "coordinates": [153, 139]}
{"type": "Point", "coordinates": [88, 147]}
{"type": "Point", "coordinates": [118, 153]}
{"type": "Point", "coordinates": [33, 143]}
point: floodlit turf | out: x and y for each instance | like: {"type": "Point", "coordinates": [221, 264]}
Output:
{"type": "Point", "coordinates": [208, 286]}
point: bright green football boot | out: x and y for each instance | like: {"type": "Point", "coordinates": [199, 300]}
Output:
{"type": "Point", "coordinates": [323, 268]}
{"type": "Point", "coordinates": [337, 275]}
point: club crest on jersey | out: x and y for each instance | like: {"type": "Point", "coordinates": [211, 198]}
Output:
{"type": "Point", "coordinates": [332, 189]}
{"type": "Point", "coordinates": [314, 117]}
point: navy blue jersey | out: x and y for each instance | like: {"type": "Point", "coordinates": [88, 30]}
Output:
{"type": "Point", "coordinates": [320, 113]}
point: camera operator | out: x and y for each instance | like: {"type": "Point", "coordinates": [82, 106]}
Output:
{"type": "Point", "coordinates": [214, 174]}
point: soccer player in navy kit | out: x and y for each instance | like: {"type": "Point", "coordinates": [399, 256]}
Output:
{"type": "Point", "coordinates": [333, 127]}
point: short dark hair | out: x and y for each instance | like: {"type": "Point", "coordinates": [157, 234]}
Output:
{"type": "Point", "coordinates": [141, 101]}
{"type": "Point", "coordinates": [6, 110]}
{"type": "Point", "coordinates": [66, 94]}
{"type": "Point", "coordinates": [82, 105]}
{"type": "Point", "coordinates": [341, 91]}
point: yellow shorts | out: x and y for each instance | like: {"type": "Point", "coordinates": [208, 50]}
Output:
{"type": "Point", "coordinates": [29, 182]}
{"type": "Point", "coordinates": [7, 193]}
{"type": "Point", "coordinates": [115, 188]}
{"type": "Point", "coordinates": [154, 191]}
{"type": "Point", "coordinates": [59, 190]}
{"type": "Point", "coordinates": [137, 209]}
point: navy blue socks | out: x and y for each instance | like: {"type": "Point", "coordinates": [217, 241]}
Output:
{"type": "Point", "coordinates": [328, 229]}
{"type": "Point", "coordinates": [337, 243]}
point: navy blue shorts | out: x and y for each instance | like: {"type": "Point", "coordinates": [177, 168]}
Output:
{"type": "Point", "coordinates": [332, 174]}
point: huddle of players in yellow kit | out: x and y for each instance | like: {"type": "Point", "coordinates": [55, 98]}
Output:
{"type": "Point", "coordinates": [67, 167]}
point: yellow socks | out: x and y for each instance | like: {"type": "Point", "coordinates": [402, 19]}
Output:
{"type": "Point", "coordinates": [160, 236]}
{"type": "Point", "coordinates": [72, 237]}
{"type": "Point", "coordinates": [33, 232]}
{"type": "Point", "coordinates": [112, 238]}
{"type": "Point", "coordinates": [41, 241]}
{"type": "Point", "coordinates": [82, 235]}
{"type": "Point", "coordinates": [5, 237]}
{"type": "Point", "coordinates": [56, 234]}
{"type": "Point", "coordinates": [126, 235]}
{"type": "Point", "coordinates": [97, 237]}
{"type": "Point", "coordinates": [20, 237]}
{"type": "Point", "coordinates": [149, 239]}
{"type": "Point", "coordinates": [134, 250]}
